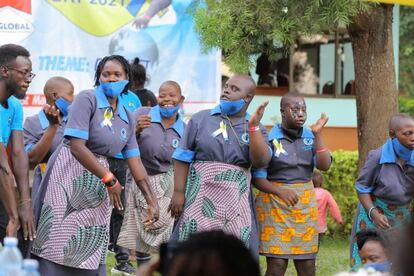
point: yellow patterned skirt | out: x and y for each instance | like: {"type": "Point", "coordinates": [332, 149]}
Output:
{"type": "Point", "coordinates": [288, 232]}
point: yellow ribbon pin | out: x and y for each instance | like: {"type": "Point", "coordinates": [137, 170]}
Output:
{"type": "Point", "coordinates": [221, 130]}
{"type": "Point", "coordinates": [107, 118]}
{"type": "Point", "coordinates": [278, 148]}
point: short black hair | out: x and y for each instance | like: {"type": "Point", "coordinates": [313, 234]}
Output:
{"type": "Point", "coordinates": [214, 252]}
{"type": "Point", "coordinates": [9, 52]}
{"type": "Point", "coordinates": [367, 235]}
{"type": "Point", "coordinates": [139, 73]}
{"type": "Point", "coordinates": [316, 175]}
{"type": "Point", "coordinates": [121, 60]}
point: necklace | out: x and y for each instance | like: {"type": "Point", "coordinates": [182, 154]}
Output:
{"type": "Point", "coordinates": [235, 133]}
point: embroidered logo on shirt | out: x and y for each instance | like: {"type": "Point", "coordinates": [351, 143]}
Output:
{"type": "Point", "coordinates": [221, 130]}
{"type": "Point", "coordinates": [175, 143]}
{"type": "Point", "coordinates": [123, 134]}
{"type": "Point", "coordinates": [308, 141]}
{"type": "Point", "coordinates": [245, 138]}
{"type": "Point", "coordinates": [279, 148]}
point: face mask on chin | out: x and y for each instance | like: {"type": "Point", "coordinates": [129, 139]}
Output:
{"type": "Point", "coordinates": [231, 108]}
{"type": "Point", "coordinates": [63, 105]}
{"type": "Point", "coordinates": [168, 112]}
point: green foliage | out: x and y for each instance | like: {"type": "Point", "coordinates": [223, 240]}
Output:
{"type": "Point", "coordinates": [339, 181]}
{"type": "Point", "coordinates": [244, 28]}
{"type": "Point", "coordinates": [406, 105]}
{"type": "Point", "coordinates": [406, 80]}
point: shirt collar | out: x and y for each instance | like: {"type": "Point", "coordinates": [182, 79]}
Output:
{"type": "Point", "coordinates": [178, 126]}
{"type": "Point", "coordinates": [216, 110]}
{"type": "Point", "coordinates": [44, 123]}
{"type": "Point", "coordinates": [276, 133]}
{"type": "Point", "coordinates": [388, 154]}
{"type": "Point", "coordinates": [102, 101]}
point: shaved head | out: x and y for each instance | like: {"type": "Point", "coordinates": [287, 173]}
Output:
{"type": "Point", "coordinates": [54, 84]}
{"type": "Point", "coordinates": [287, 99]}
{"type": "Point", "coordinates": [247, 81]}
{"type": "Point", "coordinates": [171, 83]}
{"type": "Point", "coordinates": [398, 120]}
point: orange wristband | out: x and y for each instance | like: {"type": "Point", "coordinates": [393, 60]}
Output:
{"type": "Point", "coordinates": [253, 129]}
{"type": "Point", "coordinates": [321, 150]}
{"type": "Point", "coordinates": [107, 177]}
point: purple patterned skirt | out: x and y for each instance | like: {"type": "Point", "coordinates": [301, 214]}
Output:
{"type": "Point", "coordinates": [217, 197]}
{"type": "Point", "coordinates": [73, 222]}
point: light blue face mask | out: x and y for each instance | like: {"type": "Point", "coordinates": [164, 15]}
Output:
{"type": "Point", "coordinates": [230, 108]}
{"type": "Point", "coordinates": [113, 89]}
{"type": "Point", "coordinates": [402, 151]}
{"type": "Point", "coordinates": [168, 112]}
{"type": "Point", "coordinates": [381, 267]}
{"type": "Point", "coordinates": [63, 105]}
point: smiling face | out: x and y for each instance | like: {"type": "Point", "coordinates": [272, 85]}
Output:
{"type": "Point", "coordinates": [404, 132]}
{"type": "Point", "coordinates": [238, 87]}
{"type": "Point", "coordinates": [113, 71]}
{"type": "Point", "coordinates": [294, 113]}
{"type": "Point", "coordinates": [169, 95]}
{"type": "Point", "coordinates": [18, 77]}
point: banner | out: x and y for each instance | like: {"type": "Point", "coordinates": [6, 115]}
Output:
{"type": "Point", "coordinates": [69, 37]}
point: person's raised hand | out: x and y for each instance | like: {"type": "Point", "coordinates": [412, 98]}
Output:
{"type": "Point", "coordinates": [258, 114]}
{"type": "Point", "coordinates": [52, 114]}
{"type": "Point", "coordinates": [320, 123]}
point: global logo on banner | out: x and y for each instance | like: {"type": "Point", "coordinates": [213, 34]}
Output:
{"type": "Point", "coordinates": [14, 25]}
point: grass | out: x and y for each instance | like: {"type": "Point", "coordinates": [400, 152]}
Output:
{"type": "Point", "coordinates": [333, 257]}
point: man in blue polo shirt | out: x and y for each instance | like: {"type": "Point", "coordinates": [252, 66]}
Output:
{"type": "Point", "coordinates": [15, 77]}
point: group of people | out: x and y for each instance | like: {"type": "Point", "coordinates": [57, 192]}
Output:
{"type": "Point", "coordinates": [111, 173]}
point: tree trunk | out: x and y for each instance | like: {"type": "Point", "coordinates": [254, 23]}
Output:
{"type": "Point", "coordinates": [375, 84]}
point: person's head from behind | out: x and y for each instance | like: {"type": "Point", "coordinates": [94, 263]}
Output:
{"type": "Point", "coordinates": [293, 110]}
{"type": "Point", "coordinates": [236, 95]}
{"type": "Point", "coordinates": [59, 91]}
{"type": "Point", "coordinates": [15, 69]}
{"type": "Point", "coordinates": [170, 98]}
{"type": "Point", "coordinates": [213, 253]}
{"type": "Point", "coordinates": [139, 75]}
{"type": "Point", "coordinates": [401, 130]}
{"type": "Point", "coordinates": [317, 179]}
{"type": "Point", "coordinates": [113, 74]}
{"type": "Point", "coordinates": [372, 248]}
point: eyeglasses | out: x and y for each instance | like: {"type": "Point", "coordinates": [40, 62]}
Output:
{"type": "Point", "coordinates": [28, 75]}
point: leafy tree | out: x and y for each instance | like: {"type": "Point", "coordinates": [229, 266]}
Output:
{"type": "Point", "coordinates": [406, 81]}
{"type": "Point", "coordinates": [243, 28]}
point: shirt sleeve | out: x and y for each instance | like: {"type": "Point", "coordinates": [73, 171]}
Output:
{"type": "Point", "coordinates": [131, 148]}
{"type": "Point", "coordinates": [185, 151]}
{"type": "Point", "coordinates": [365, 182]}
{"type": "Point", "coordinates": [30, 138]}
{"type": "Point", "coordinates": [333, 207]}
{"type": "Point", "coordinates": [80, 115]}
{"type": "Point", "coordinates": [17, 123]}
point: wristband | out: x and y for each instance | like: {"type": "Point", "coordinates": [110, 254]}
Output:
{"type": "Point", "coordinates": [24, 201]}
{"type": "Point", "coordinates": [370, 211]}
{"type": "Point", "coordinates": [111, 184]}
{"type": "Point", "coordinates": [321, 150]}
{"type": "Point", "coordinates": [107, 178]}
{"type": "Point", "coordinates": [147, 17]}
{"type": "Point", "coordinates": [253, 129]}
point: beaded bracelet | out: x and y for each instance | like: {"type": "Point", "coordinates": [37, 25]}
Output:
{"type": "Point", "coordinates": [107, 178]}
{"type": "Point", "coordinates": [370, 211]}
{"type": "Point", "coordinates": [111, 184]}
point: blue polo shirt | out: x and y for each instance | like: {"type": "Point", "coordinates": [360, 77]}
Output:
{"type": "Point", "coordinates": [12, 118]}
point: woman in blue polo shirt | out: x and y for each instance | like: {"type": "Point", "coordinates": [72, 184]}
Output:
{"type": "Point", "coordinates": [74, 203]}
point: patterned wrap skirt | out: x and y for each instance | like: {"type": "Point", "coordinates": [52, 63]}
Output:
{"type": "Point", "coordinates": [133, 234]}
{"type": "Point", "coordinates": [217, 197]}
{"type": "Point", "coordinates": [288, 232]}
{"type": "Point", "coordinates": [73, 212]}
{"type": "Point", "coordinates": [397, 217]}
